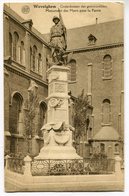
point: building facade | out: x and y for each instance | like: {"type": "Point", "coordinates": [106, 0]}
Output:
{"type": "Point", "coordinates": [25, 54]}
{"type": "Point", "coordinates": [98, 51]}
{"type": "Point", "coordinates": [96, 65]}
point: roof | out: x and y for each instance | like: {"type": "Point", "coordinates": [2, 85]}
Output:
{"type": "Point", "coordinates": [106, 33]}
{"type": "Point", "coordinates": [21, 20]}
{"type": "Point", "coordinates": [107, 133]}
{"type": "Point", "coordinates": [110, 32]}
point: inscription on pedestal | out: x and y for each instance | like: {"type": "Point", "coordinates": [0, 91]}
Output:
{"type": "Point", "coordinates": [60, 88]}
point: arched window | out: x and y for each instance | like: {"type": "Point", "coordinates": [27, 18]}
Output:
{"type": "Point", "coordinates": [14, 113]}
{"type": "Point", "coordinates": [34, 57]}
{"type": "Point", "coordinates": [22, 53]}
{"type": "Point", "coordinates": [102, 148]}
{"type": "Point", "coordinates": [30, 57]}
{"type": "Point", "coordinates": [109, 152]}
{"type": "Point", "coordinates": [116, 148]}
{"type": "Point", "coordinates": [42, 115]}
{"type": "Point", "coordinates": [106, 111]}
{"type": "Point", "coordinates": [107, 66]}
{"type": "Point", "coordinates": [10, 44]}
{"type": "Point", "coordinates": [72, 66]}
{"type": "Point", "coordinates": [39, 63]}
{"type": "Point", "coordinates": [15, 46]}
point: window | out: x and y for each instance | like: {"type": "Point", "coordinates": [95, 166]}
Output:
{"type": "Point", "coordinates": [39, 63]}
{"type": "Point", "coordinates": [109, 152]}
{"type": "Point", "coordinates": [15, 46]}
{"type": "Point", "coordinates": [106, 111]}
{"type": "Point", "coordinates": [92, 39]}
{"type": "Point", "coordinates": [117, 148]}
{"type": "Point", "coordinates": [22, 53]}
{"type": "Point", "coordinates": [102, 148]}
{"type": "Point", "coordinates": [72, 74]}
{"type": "Point", "coordinates": [15, 121]}
{"type": "Point", "coordinates": [14, 113]}
{"type": "Point", "coordinates": [107, 67]}
{"type": "Point", "coordinates": [34, 58]}
{"type": "Point", "coordinates": [31, 57]}
{"type": "Point", "coordinates": [10, 44]}
{"type": "Point", "coordinates": [42, 115]}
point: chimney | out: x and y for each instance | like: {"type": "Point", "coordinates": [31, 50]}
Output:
{"type": "Point", "coordinates": [28, 23]}
{"type": "Point", "coordinates": [96, 20]}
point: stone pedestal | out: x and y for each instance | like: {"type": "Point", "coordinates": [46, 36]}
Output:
{"type": "Point", "coordinates": [57, 132]}
{"type": "Point", "coordinates": [58, 94]}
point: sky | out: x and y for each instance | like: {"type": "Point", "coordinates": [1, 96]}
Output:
{"type": "Point", "coordinates": [42, 19]}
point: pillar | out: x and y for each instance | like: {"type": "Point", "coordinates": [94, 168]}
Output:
{"type": "Point", "coordinates": [122, 100]}
{"type": "Point", "coordinates": [6, 111]}
{"type": "Point", "coordinates": [27, 170]}
{"type": "Point", "coordinates": [118, 165]}
{"type": "Point", "coordinates": [7, 162]}
{"type": "Point", "coordinates": [6, 36]}
{"type": "Point", "coordinates": [27, 51]}
{"type": "Point", "coordinates": [24, 57]}
{"type": "Point", "coordinates": [18, 54]}
{"type": "Point", "coordinates": [89, 93]}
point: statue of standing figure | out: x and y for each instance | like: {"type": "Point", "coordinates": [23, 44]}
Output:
{"type": "Point", "coordinates": [58, 40]}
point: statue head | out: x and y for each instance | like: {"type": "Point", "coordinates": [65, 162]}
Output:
{"type": "Point", "coordinates": [56, 19]}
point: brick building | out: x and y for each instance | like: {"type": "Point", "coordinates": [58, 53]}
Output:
{"type": "Point", "coordinates": [98, 52]}
{"type": "Point", "coordinates": [25, 54]}
{"type": "Point", "coordinates": [97, 58]}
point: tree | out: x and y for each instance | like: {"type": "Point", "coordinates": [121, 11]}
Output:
{"type": "Point", "coordinates": [30, 119]}
{"type": "Point", "coordinates": [80, 116]}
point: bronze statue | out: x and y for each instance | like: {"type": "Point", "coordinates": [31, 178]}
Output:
{"type": "Point", "coordinates": [58, 41]}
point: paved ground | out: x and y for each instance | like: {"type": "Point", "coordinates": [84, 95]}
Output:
{"type": "Point", "coordinates": [15, 182]}
{"type": "Point", "coordinates": [71, 187]}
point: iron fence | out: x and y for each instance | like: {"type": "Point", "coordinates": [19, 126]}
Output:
{"type": "Point", "coordinates": [46, 167]}
{"type": "Point", "coordinates": [72, 167]}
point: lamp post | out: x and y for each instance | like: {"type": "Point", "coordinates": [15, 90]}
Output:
{"type": "Point", "coordinates": [85, 135]}
{"type": "Point", "coordinates": [88, 120]}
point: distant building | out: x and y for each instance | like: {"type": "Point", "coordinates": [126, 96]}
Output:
{"type": "Point", "coordinates": [96, 66]}
{"type": "Point", "coordinates": [98, 52]}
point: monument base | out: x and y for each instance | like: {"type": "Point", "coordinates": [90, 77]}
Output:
{"type": "Point", "coordinates": [58, 152]}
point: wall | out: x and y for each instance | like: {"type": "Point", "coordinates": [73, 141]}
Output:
{"type": "Point", "coordinates": [101, 89]}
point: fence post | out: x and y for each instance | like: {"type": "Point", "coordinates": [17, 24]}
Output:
{"type": "Point", "coordinates": [118, 165]}
{"type": "Point", "coordinates": [27, 171]}
{"type": "Point", "coordinates": [7, 162]}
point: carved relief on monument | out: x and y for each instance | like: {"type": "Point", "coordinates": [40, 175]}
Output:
{"type": "Point", "coordinates": [54, 102]}
{"type": "Point", "coordinates": [51, 89]}
{"type": "Point", "coordinates": [60, 88]}
{"type": "Point", "coordinates": [46, 138]}
{"type": "Point", "coordinates": [62, 138]}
